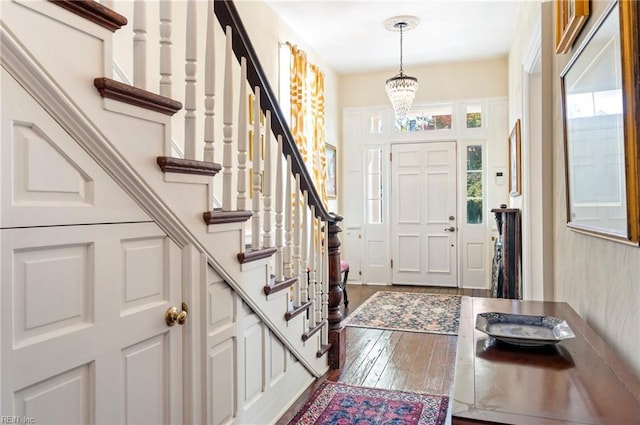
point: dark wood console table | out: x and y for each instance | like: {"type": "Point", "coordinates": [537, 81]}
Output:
{"type": "Point", "coordinates": [577, 381]}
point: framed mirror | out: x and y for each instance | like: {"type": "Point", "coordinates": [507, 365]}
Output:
{"type": "Point", "coordinates": [599, 96]}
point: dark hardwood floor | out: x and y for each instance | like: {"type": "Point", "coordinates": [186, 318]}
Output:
{"type": "Point", "coordinates": [407, 361]}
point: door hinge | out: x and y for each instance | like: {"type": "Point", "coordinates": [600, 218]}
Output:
{"type": "Point", "coordinates": [390, 156]}
{"type": "Point", "coordinates": [392, 263]}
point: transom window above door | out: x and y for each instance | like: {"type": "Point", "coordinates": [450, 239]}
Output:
{"type": "Point", "coordinates": [431, 118]}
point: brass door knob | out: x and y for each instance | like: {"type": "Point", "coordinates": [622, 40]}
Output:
{"type": "Point", "coordinates": [173, 315]}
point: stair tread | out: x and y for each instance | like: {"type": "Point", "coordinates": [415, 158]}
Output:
{"type": "Point", "coordinates": [280, 286]}
{"type": "Point", "coordinates": [255, 255]}
{"type": "Point", "coordinates": [217, 216]}
{"type": "Point", "coordinates": [94, 12]}
{"type": "Point", "coordinates": [188, 166]}
{"type": "Point", "coordinates": [297, 310]}
{"type": "Point", "coordinates": [112, 89]}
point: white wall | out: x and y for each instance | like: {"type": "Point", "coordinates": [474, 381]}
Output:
{"type": "Point", "coordinates": [598, 278]}
{"type": "Point", "coordinates": [441, 82]}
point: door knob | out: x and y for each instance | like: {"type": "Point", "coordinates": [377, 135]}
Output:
{"type": "Point", "coordinates": [173, 315]}
{"type": "Point", "coordinates": [450, 229]}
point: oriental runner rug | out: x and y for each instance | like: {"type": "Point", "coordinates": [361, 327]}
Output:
{"type": "Point", "coordinates": [334, 403]}
{"type": "Point", "coordinates": [408, 311]}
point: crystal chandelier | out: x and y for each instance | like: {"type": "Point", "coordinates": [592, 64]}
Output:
{"type": "Point", "coordinates": [401, 88]}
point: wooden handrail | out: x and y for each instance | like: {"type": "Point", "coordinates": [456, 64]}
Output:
{"type": "Point", "coordinates": [228, 15]}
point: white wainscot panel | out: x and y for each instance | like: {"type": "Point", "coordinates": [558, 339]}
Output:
{"type": "Point", "coordinates": [254, 352]}
{"type": "Point", "coordinates": [409, 253]}
{"type": "Point", "coordinates": [42, 174]}
{"type": "Point", "coordinates": [144, 280]}
{"type": "Point", "coordinates": [53, 289]}
{"type": "Point", "coordinates": [475, 256]}
{"type": "Point", "coordinates": [221, 307]}
{"type": "Point", "coordinates": [438, 260]}
{"type": "Point", "coordinates": [63, 399]}
{"type": "Point", "coordinates": [376, 253]}
{"type": "Point", "coordinates": [146, 381]}
{"type": "Point", "coordinates": [222, 365]}
{"type": "Point", "coordinates": [278, 354]}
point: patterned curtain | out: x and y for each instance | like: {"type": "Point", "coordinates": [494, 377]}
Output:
{"type": "Point", "coordinates": [307, 116]}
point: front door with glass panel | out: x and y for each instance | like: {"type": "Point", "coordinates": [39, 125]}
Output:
{"type": "Point", "coordinates": [423, 224]}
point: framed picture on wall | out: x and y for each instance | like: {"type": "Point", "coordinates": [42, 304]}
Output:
{"type": "Point", "coordinates": [600, 117]}
{"type": "Point", "coordinates": [331, 182]}
{"type": "Point", "coordinates": [515, 161]}
{"type": "Point", "coordinates": [571, 16]}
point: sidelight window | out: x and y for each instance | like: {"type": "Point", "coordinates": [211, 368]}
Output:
{"type": "Point", "coordinates": [474, 184]}
{"type": "Point", "coordinates": [374, 186]}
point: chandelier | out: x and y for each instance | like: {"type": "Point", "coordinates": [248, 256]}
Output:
{"type": "Point", "coordinates": [401, 88]}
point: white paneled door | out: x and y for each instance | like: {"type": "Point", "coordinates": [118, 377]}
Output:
{"type": "Point", "coordinates": [423, 217]}
{"type": "Point", "coordinates": [85, 339]}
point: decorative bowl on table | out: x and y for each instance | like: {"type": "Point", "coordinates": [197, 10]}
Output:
{"type": "Point", "coordinates": [524, 330]}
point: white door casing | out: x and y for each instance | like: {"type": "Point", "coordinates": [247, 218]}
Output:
{"type": "Point", "coordinates": [423, 218]}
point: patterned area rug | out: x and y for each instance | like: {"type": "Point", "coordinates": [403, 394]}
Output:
{"type": "Point", "coordinates": [334, 403]}
{"type": "Point", "coordinates": [408, 311]}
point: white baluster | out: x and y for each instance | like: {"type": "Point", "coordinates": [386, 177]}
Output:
{"type": "Point", "coordinates": [210, 94]}
{"type": "Point", "coordinates": [288, 266]}
{"type": "Point", "coordinates": [266, 184]}
{"type": "Point", "coordinates": [296, 242]}
{"type": "Point", "coordinates": [279, 231]}
{"type": "Point", "coordinates": [140, 44]}
{"type": "Point", "coordinates": [312, 268]}
{"type": "Point", "coordinates": [325, 284]}
{"type": "Point", "coordinates": [227, 161]}
{"type": "Point", "coordinates": [255, 220]}
{"type": "Point", "coordinates": [304, 245]}
{"type": "Point", "coordinates": [190, 82]}
{"type": "Point", "coordinates": [241, 204]}
{"type": "Point", "coordinates": [165, 48]}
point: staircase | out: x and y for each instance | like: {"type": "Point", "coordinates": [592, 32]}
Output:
{"type": "Point", "coordinates": [260, 252]}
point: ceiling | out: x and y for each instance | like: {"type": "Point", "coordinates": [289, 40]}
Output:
{"type": "Point", "coordinates": [350, 37]}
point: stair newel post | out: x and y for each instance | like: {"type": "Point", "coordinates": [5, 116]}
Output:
{"type": "Point", "coordinates": [337, 338]}
{"type": "Point", "coordinates": [165, 48]}
{"type": "Point", "coordinates": [288, 266]}
{"type": "Point", "coordinates": [319, 273]}
{"type": "Point", "coordinates": [190, 82]}
{"type": "Point", "coordinates": [241, 204]}
{"type": "Point", "coordinates": [140, 44]}
{"type": "Point", "coordinates": [255, 173]}
{"type": "Point", "coordinates": [297, 262]}
{"type": "Point", "coordinates": [267, 241]}
{"type": "Point", "coordinates": [227, 118]}
{"type": "Point", "coordinates": [210, 90]}
{"type": "Point", "coordinates": [279, 197]}
{"type": "Point", "coordinates": [312, 266]}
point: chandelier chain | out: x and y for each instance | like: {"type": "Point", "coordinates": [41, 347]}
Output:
{"type": "Point", "coordinates": [401, 25]}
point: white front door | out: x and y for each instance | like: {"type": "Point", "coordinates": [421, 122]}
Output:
{"type": "Point", "coordinates": [84, 337]}
{"type": "Point", "coordinates": [423, 223]}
